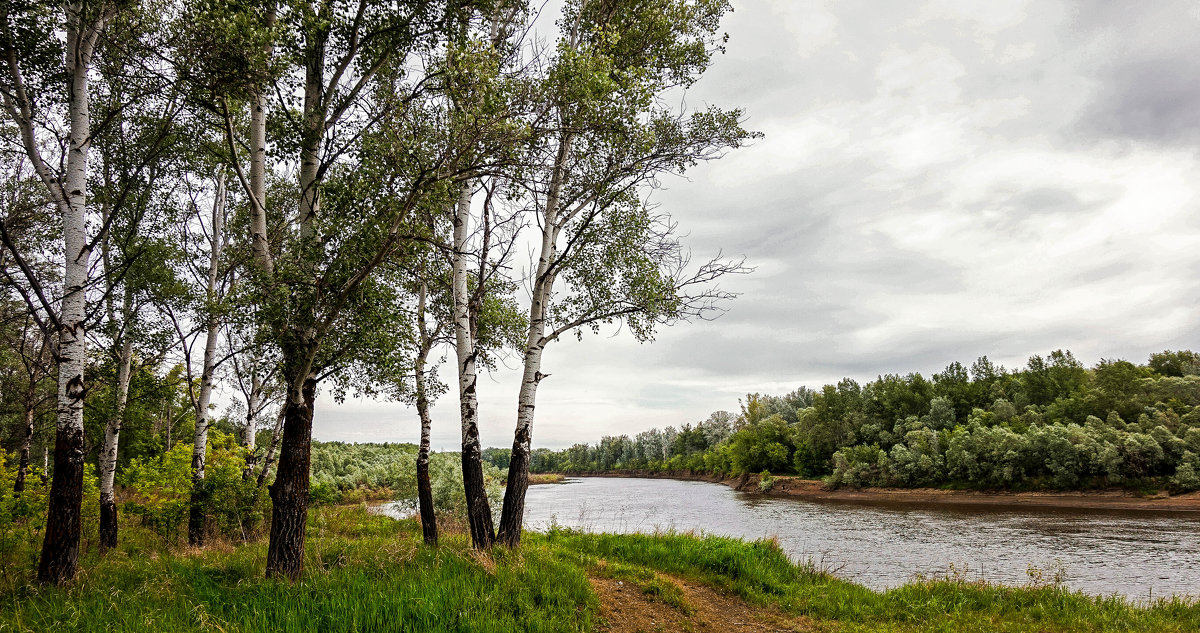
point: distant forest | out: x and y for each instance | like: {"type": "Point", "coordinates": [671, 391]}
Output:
{"type": "Point", "coordinates": [1053, 424]}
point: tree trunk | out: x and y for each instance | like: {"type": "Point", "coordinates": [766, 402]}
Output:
{"type": "Point", "coordinates": [269, 459]}
{"type": "Point", "coordinates": [251, 428]}
{"type": "Point", "coordinates": [512, 515]}
{"type": "Point", "coordinates": [289, 493]}
{"type": "Point", "coordinates": [112, 432]}
{"type": "Point", "coordinates": [26, 442]}
{"type": "Point", "coordinates": [424, 486]}
{"type": "Point", "coordinates": [479, 511]}
{"type": "Point", "coordinates": [258, 183]}
{"type": "Point", "coordinates": [261, 246]}
{"type": "Point", "coordinates": [199, 500]}
{"type": "Point", "coordinates": [60, 548]}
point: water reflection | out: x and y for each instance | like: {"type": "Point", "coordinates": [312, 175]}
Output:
{"type": "Point", "coordinates": [882, 545]}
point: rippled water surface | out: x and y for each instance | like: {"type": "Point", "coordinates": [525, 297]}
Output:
{"type": "Point", "coordinates": [1139, 554]}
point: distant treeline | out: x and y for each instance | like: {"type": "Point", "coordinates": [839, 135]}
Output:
{"type": "Point", "coordinates": [1053, 424]}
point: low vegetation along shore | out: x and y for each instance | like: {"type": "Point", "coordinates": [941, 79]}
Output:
{"type": "Point", "coordinates": [368, 572]}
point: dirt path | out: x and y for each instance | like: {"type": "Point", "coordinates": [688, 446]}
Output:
{"type": "Point", "coordinates": [627, 608]}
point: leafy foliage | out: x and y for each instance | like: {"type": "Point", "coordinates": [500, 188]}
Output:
{"type": "Point", "coordinates": [160, 490]}
{"type": "Point", "coordinates": [1053, 424]}
{"type": "Point", "coordinates": [352, 473]}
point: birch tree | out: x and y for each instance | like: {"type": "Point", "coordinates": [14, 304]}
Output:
{"type": "Point", "coordinates": [256, 379]}
{"type": "Point", "coordinates": [139, 150]}
{"type": "Point", "coordinates": [605, 255]}
{"type": "Point", "coordinates": [432, 329]}
{"type": "Point", "coordinates": [194, 303]}
{"type": "Point", "coordinates": [45, 88]}
{"type": "Point", "coordinates": [31, 346]}
{"type": "Point", "coordinates": [484, 98]}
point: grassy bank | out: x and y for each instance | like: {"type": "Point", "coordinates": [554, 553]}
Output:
{"type": "Point", "coordinates": [369, 573]}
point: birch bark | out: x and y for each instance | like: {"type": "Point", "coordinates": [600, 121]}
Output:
{"type": "Point", "coordinates": [513, 513]}
{"type": "Point", "coordinates": [424, 487]}
{"type": "Point", "coordinates": [26, 440]}
{"type": "Point", "coordinates": [60, 547]}
{"type": "Point", "coordinates": [251, 428]}
{"type": "Point", "coordinates": [212, 326]}
{"type": "Point", "coordinates": [112, 432]}
{"type": "Point", "coordinates": [479, 512]}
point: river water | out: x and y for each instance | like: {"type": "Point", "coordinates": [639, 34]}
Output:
{"type": "Point", "coordinates": [1136, 553]}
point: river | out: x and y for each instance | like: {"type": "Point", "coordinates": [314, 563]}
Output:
{"type": "Point", "coordinates": [1139, 554]}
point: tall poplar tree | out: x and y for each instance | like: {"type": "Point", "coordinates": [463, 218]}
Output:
{"type": "Point", "coordinates": [335, 69]}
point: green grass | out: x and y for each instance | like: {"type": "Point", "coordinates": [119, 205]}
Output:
{"type": "Point", "coordinates": [363, 573]}
{"type": "Point", "coordinates": [370, 573]}
{"type": "Point", "coordinates": [762, 574]}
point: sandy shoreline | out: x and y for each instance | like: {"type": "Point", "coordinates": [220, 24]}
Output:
{"type": "Point", "coordinates": [795, 487]}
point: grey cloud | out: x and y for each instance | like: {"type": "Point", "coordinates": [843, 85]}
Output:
{"type": "Point", "coordinates": [1149, 87]}
{"type": "Point", "coordinates": [849, 284]}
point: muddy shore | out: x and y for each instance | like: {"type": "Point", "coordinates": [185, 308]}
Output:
{"type": "Point", "coordinates": [797, 488]}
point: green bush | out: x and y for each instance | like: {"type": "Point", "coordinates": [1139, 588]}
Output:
{"type": "Point", "coordinates": [22, 515]}
{"type": "Point", "coordinates": [162, 490]}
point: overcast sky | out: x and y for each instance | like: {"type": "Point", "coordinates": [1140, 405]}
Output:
{"type": "Point", "coordinates": [938, 181]}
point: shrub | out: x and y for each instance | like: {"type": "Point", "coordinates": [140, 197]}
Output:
{"type": "Point", "coordinates": [162, 488]}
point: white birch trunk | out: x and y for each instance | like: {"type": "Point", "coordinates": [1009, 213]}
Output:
{"type": "Point", "coordinates": [72, 337]}
{"type": "Point", "coordinates": [249, 432]}
{"type": "Point", "coordinates": [479, 513]}
{"type": "Point", "coordinates": [60, 549]}
{"type": "Point", "coordinates": [513, 513]}
{"type": "Point", "coordinates": [112, 433]}
{"type": "Point", "coordinates": [464, 335]}
{"type": "Point", "coordinates": [260, 245]}
{"type": "Point", "coordinates": [258, 183]}
{"type": "Point", "coordinates": [203, 399]}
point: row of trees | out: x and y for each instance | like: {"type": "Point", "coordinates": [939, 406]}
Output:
{"type": "Point", "coordinates": [1052, 424]}
{"type": "Point", "coordinates": [278, 197]}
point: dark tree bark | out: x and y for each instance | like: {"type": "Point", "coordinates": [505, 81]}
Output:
{"type": "Point", "coordinates": [26, 442]}
{"type": "Point", "coordinates": [424, 487]}
{"type": "Point", "coordinates": [60, 549]}
{"type": "Point", "coordinates": [479, 510]}
{"type": "Point", "coordinates": [108, 524]}
{"type": "Point", "coordinates": [289, 493]}
{"type": "Point", "coordinates": [513, 514]}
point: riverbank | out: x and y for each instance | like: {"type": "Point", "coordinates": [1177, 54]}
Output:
{"type": "Point", "coordinates": [366, 572]}
{"type": "Point", "coordinates": [814, 490]}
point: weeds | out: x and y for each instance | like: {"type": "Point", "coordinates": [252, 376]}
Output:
{"type": "Point", "coordinates": [369, 573]}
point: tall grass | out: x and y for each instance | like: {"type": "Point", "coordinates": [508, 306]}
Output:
{"type": "Point", "coordinates": [761, 574]}
{"type": "Point", "coordinates": [364, 573]}
{"type": "Point", "coordinates": [370, 573]}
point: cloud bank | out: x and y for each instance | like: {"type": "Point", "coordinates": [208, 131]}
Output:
{"type": "Point", "coordinates": [937, 182]}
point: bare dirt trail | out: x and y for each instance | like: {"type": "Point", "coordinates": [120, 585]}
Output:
{"type": "Point", "coordinates": [626, 608]}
